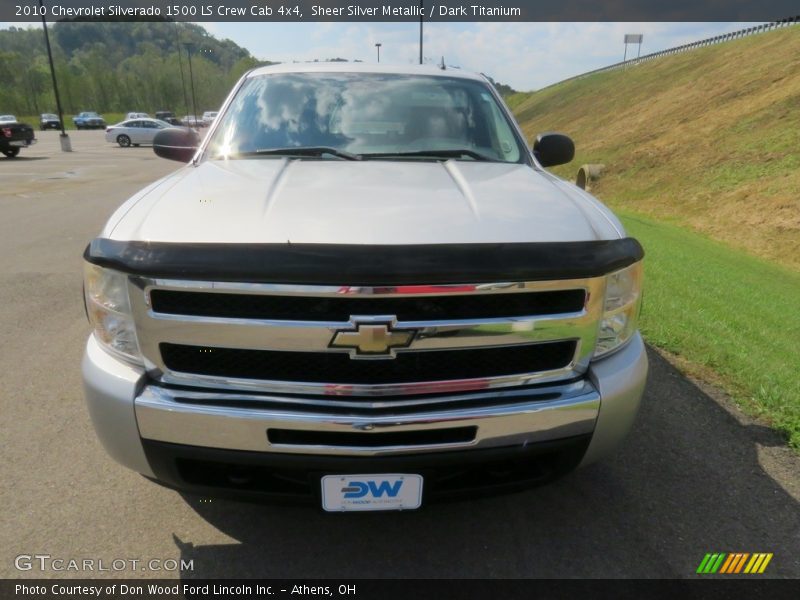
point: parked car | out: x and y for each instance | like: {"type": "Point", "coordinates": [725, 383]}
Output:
{"type": "Point", "coordinates": [137, 115]}
{"type": "Point", "coordinates": [168, 116]}
{"type": "Point", "coordinates": [14, 136]}
{"type": "Point", "coordinates": [49, 121]}
{"type": "Point", "coordinates": [208, 117]}
{"type": "Point", "coordinates": [135, 132]}
{"type": "Point", "coordinates": [367, 292]}
{"type": "Point", "coordinates": [191, 121]}
{"type": "Point", "coordinates": [89, 120]}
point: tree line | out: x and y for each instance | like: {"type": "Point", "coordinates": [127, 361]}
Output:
{"type": "Point", "coordinates": [123, 66]}
{"type": "Point", "coordinates": [117, 67]}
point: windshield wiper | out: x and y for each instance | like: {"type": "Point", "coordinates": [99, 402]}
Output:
{"type": "Point", "coordinates": [449, 153]}
{"type": "Point", "coordinates": [302, 151]}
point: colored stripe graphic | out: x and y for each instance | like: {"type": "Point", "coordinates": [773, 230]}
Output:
{"type": "Point", "coordinates": [727, 564]}
{"type": "Point", "coordinates": [703, 563]}
{"type": "Point", "coordinates": [741, 562]}
{"type": "Point", "coordinates": [734, 563]}
{"type": "Point", "coordinates": [754, 562]}
{"type": "Point", "coordinates": [712, 559]}
{"type": "Point", "coordinates": [711, 562]}
{"type": "Point", "coordinates": [715, 567]}
{"type": "Point", "coordinates": [765, 563]}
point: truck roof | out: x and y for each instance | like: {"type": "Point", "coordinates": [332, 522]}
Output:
{"type": "Point", "coordinates": [347, 67]}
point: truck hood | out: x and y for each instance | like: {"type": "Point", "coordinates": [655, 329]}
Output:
{"type": "Point", "coordinates": [266, 200]}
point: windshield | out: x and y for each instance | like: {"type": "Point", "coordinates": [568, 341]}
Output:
{"type": "Point", "coordinates": [371, 115]}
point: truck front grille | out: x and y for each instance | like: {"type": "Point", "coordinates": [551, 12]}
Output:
{"type": "Point", "coordinates": [293, 340]}
{"type": "Point", "coordinates": [336, 368]}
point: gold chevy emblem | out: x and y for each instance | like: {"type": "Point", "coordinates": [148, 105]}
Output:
{"type": "Point", "coordinates": [372, 339]}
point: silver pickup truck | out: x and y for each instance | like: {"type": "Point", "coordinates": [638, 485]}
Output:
{"type": "Point", "coordinates": [363, 290]}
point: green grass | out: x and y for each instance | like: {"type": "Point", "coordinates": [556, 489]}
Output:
{"type": "Point", "coordinates": [702, 156]}
{"type": "Point", "coordinates": [727, 312]}
{"type": "Point", "coordinates": [709, 139]}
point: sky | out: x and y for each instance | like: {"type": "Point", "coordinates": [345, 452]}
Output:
{"type": "Point", "coordinates": [525, 56]}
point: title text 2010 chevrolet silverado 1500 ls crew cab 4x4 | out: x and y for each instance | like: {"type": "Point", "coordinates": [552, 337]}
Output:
{"type": "Point", "coordinates": [364, 290]}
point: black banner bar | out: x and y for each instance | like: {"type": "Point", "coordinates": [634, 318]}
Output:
{"type": "Point", "coordinates": [750, 587]}
{"type": "Point", "coordinates": [400, 10]}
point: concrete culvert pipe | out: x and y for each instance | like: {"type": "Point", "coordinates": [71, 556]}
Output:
{"type": "Point", "coordinates": [587, 174]}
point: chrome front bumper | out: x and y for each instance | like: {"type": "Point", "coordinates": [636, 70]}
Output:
{"type": "Point", "coordinates": [161, 418]}
{"type": "Point", "coordinates": [126, 408]}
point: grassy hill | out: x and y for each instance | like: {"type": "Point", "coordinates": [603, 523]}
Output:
{"type": "Point", "coordinates": [709, 139]}
{"type": "Point", "coordinates": [702, 155]}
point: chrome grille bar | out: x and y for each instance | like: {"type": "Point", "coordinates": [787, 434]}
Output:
{"type": "Point", "coordinates": [315, 336]}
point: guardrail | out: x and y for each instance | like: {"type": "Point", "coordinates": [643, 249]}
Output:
{"type": "Point", "coordinates": [725, 37]}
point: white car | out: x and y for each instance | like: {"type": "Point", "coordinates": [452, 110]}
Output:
{"type": "Point", "coordinates": [191, 121]}
{"type": "Point", "coordinates": [137, 115]}
{"type": "Point", "coordinates": [135, 132]}
{"type": "Point", "coordinates": [208, 117]}
{"type": "Point", "coordinates": [7, 119]}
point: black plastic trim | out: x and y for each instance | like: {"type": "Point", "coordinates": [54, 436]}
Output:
{"type": "Point", "coordinates": [339, 368]}
{"type": "Point", "coordinates": [294, 478]}
{"type": "Point", "coordinates": [350, 264]}
{"type": "Point", "coordinates": [341, 308]}
{"type": "Point", "coordinates": [357, 439]}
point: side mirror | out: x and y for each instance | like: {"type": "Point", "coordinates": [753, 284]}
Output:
{"type": "Point", "coordinates": [553, 149]}
{"type": "Point", "coordinates": [176, 143]}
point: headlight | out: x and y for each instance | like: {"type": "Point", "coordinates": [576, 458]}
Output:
{"type": "Point", "coordinates": [109, 311]}
{"type": "Point", "coordinates": [621, 309]}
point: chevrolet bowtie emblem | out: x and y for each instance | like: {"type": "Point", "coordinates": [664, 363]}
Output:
{"type": "Point", "coordinates": [372, 339]}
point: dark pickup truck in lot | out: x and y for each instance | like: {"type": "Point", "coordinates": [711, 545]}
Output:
{"type": "Point", "coordinates": [168, 116]}
{"type": "Point", "coordinates": [14, 136]}
{"type": "Point", "coordinates": [49, 121]}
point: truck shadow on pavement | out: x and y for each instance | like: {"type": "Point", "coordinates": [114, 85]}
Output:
{"type": "Point", "coordinates": [687, 481]}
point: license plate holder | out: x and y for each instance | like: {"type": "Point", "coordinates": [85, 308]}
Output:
{"type": "Point", "coordinates": [377, 491]}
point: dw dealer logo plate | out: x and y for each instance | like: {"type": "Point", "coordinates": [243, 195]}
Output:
{"type": "Point", "coordinates": [371, 492]}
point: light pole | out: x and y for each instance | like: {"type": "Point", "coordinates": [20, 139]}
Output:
{"type": "Point", "coordinates": [421, 13]}
{"type": "Point", "coordinates": [189, 46]}
{"type": "Point", "coordinates": [378, 46]}
{"type": "Point", "coordinates": [180, 63]}
{"type": "Point", "coordinates": [66, 146]}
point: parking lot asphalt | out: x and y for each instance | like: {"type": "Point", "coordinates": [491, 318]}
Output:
{"type": "Point", "coordinates": [694, 476]}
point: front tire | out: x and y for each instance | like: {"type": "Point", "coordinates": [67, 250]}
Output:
{"type": "Point", "coordinates": [11, 152]}
{"type": "Point", "coordinates": [124, 141]}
